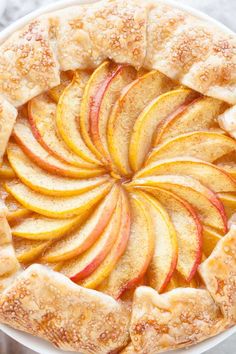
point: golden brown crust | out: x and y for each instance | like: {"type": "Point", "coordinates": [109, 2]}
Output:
{"type": "Point", "coordinates": [87, 322]}
{"type": "Point", "coordinates": [193, 51]}
{"type": "Point", "coordinates": [7, 120]}
{"type": "Point", "coordinates": [177, 319]}
{"type": "Point", "coordinates": [219, 274]}
{"type": "Point", "coordinates": [8, 264]}
{"type": "Point", "coordinates": [156, 36]}
{"type": "Point", "coordinates": [28, 65]}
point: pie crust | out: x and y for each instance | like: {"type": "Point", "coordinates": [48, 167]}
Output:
{"type": "Point", "coordinates": [144, 34]}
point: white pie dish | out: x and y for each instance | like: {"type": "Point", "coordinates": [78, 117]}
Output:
{"type": "Point", "coordinates": [35, 343]}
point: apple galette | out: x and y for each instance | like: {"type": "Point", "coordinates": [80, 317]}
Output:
{"type": "Point", "coordinates": [118, 178]}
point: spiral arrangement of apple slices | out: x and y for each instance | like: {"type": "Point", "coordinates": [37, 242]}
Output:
{"type": "Point", "coordinates": [119, 177]}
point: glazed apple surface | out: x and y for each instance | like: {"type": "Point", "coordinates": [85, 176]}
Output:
{"type": "Point", "coordinates": [118, 178]}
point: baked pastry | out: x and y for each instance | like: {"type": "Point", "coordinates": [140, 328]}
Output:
{"type": "Point", "coordinates": [118, 178]}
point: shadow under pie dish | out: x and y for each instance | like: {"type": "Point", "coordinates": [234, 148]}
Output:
{"type": "Point", "coordinates": [118, 178]}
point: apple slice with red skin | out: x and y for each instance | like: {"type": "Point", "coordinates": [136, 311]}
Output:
{"type": "Point", "coordinates": [229, 201]}
{"type": "Point", "coordinates": [94, 83]}
{"type": "Point", "coordinates": [83, 238]}
{"type": "Point", "coordinates": [42, 118]}
{"type": "Point", "coordinates": [165, 255]}
{"type": "Point", "coordinates": [210, 175]}
{"type": "Point", "coordinates": [67, 114]}
{"type": "Point", "coordinates": [132, 266]}
{"type": "Point", "coordinates": [188, 229]}
{"type": "Point", "coordinates": [118, 249]}
{"type": "Point", "coordinates": [132, 101]}
{"type": "Point", "coordinates": [83, 266]}
{"type": "Point", "coordinates": [207, 146]}
{"type": "Point", "coordinates": [171, 103]}
{"type": "Point", "coordinates": [102, 102]}
{"type": "Point", "coordinates": [201, 114]}
{"type": "Point", "coordinates": [31, 147]}
{"type": "Point", "coordinates": [41, 181]}
{"type": "Point", "coordinates": [204, 200]}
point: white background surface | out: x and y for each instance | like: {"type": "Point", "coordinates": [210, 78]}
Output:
{"type": "Point", "coordinates": [223, 10]}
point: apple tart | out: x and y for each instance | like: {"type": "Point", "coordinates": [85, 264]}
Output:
{"type": "Point", "coordinates": [118, 178]}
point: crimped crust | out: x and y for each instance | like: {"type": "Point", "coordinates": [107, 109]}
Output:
{"type": "Point", "coordinates": [147, 34]}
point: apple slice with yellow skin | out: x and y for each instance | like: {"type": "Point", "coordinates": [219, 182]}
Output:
{"type": "Point", "coordinates": [95, 81]}
{"type": "Point", "coordinates": [228, 163]}
{"type": "Point", "coordinates": [210, 239]}
{"type": "Point", "coordinates": [177, 281]}
{"type": "Point", "coordinates": [42, 118]}
{"type": "Point", "coordinates": [44, 182]}
{"type": "Point", "coordinates": [83, 238]}
{"type": "Point", "coordinates": [83, 266]}
{"type": "Point", "coordinates": [188, 229]}
{"type": "Point", "coordinates": [6, 172]}
{"type": "Point", "coordinates": [103, 101]}
{"type": "Point", "coordinates": [229, 201]}
{"type": "Point", "coordinates": [134, 98]}
{"type": "Point", "coordinates": [169, 103]}
{"type": "Point", "coordinates": [57, 207]}
{"type": "Point", "coordinates": [207, 146]}
{"type": "Point", "coordinates": [210, 175]}
{"type": "Point", "coordinates": [67, 117]}
{"type": "Point", "coordinates": [27, 250]}
{"type": "Point", "coordinates": [165, 255]}
{"type": "Point", "coordinates": [31, 147]}
{"type": "Point", "coordinates": [118, 249]}
{"type": "Point", "coordinates": [15, 209]}
{"type": "Point", "coordinates": [201, 114]}
{"type": "Point", "coordinates": [56, 92]}
{"type": "Point", "coordinates": [37, 227]}
{"type": "Point", "coordinates": [203, 199]}
{"type": "Point", "coordinates": [132, 266]}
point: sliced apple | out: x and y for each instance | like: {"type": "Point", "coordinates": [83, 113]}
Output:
{"type": "Point", "coordinates": [56, 92]}
{"type": "Point", "coordinates": [188, 231]}
{"type": "Point", "coordinates": [118, 249]}
{"type": "Point", "coordinates": [81, 267]}
{"type": "Point", "coordinates": [31, 147]}
{"type": "Point", "coordinates": [27, 250]}
{"type": "Point", "coordinates": [68, 113]}
{"type": "Point", "coordinates": [201, 114]}
{"type": "Point", "coordinates": [208, 174]}
{"type": "Point", "coordinates": [206, 202]}
{"type": "Point", "coordinates": [178, 281]}
{"type": "Point", "coordinates": [132, 266]}
{"type": "Point", "coordinates": [170, 103]}
{"type": "Point", "coordinates": [15, 209]}
{"type": "Point", "coordinates": [102, 102]}
{"type": "Point", "coordinates": [18, 214]}
{"type": "Point", "coordinates": [229, 201]}
{"type": "Point", "coordinates": [210, 240]}
{"type": "Point", "coordinates": [228, 163]}
{"type": "Point", "coordinates": [42, 118]}
{"type": "Point", "coordinates": [165, 256]}
{"type": "Point", "coordinates": [57, 207]}
{"type": "Point", "coordinates": [134, 98]}
{"type": "Point", "coordinates": [93, 85]}
{"type": "Point", "coordinates": [6, 171]}
{"type": "Point", "coordinates": [37, 227]}
{"type": "Point", "coordinates": [207, 146]}
{"type": "Point", "coordinates": [81, 239]}
{"type": "Point", "coordinates": [44, 182]}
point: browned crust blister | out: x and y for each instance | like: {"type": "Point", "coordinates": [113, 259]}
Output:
{"type": "Point", "coordinates": [147, 34]}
